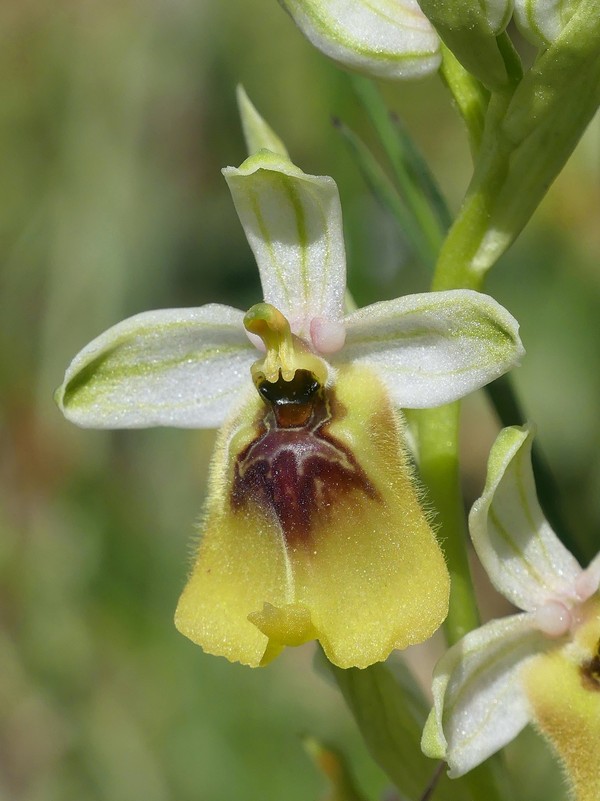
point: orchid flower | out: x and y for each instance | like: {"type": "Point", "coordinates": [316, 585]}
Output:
{"type": "Point", "coordinates": [541, 665]}
{"type": "Point", "coordinates": [313, 527]}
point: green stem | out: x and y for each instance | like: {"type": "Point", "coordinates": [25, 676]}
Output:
{"type": "Point", "coordinates": [458, 265]}
{"type": "Point", "coordinates": [439, 428]}
{"type": "Point", "coordinates": [438, 437]}
{"type": "Point", "coordinates": [470, 97]}
{"type": "Point", "coordinates": [439, 466]}
{"type": "Point", "coordinates": [411, 171]}
{"type": "Point", "coordinates": [512, 60]}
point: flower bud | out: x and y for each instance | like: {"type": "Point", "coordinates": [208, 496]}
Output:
{"type": "Point", "coordinates": [469, 28]}
{"type": "Point", "coordinates": [384, 38]}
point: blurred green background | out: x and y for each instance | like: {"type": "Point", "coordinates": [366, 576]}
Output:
{"type": "Point", "coordinates": [116, 118]}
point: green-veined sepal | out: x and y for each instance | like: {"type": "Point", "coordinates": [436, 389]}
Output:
{"type": "Point", "coordinates": [175, 367]}
{"type": "Point", "coordinates": [435, 347]}
{"type": "Point", "coordinates": [479, 704]}
{"type": "Point", "coordinates": [293, 223]}
{"type": "Point", "coordinates": [522, 556]}
{"type": "Point", "coordinates": [542, 664]}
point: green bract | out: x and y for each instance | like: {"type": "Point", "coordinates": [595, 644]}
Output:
{"type": "Point", "coordinates": [469, 28]}
{"type": "Point", "coordinates": [530, 131]}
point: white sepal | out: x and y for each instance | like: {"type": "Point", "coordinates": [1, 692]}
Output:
{"type": "Point", "coordinates": [293, 223]}
{"type": "Point", "coordinates": [479, 704]}
{"type": "Point", "coordinates": [384, 38]}
{"type": "Point", "coordinates": [523, 557]}
{"type": "Point", "coordinates": [433, 348]}
{"type": "Point", "coordinates": [176, 367]}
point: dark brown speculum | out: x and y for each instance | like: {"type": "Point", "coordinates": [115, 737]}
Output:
{"type": "Point", "coordinates": [590, 671]}
{"type": "Point", "coordinates": [295, 467]}
{"type": "Point", "coordinates": [292, 402]}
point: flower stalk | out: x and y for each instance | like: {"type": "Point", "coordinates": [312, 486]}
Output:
{"type": "Point", "coordinates": [469, 95]}
{"type": "Point", "coordinates": [439, 466]}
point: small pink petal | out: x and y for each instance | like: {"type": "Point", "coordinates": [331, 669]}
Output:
{"type": "Point", "coordinates": [553, 618]}
{"type": "Point", "coordinates": [327, 336]}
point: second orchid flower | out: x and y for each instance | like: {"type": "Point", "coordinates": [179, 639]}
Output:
{"type": "Point", "coordinates": [541, 665]}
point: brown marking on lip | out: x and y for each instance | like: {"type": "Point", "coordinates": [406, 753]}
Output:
{"type": "Point", "coordinates": [295, 467]}
{"type": "Point", "coordinates": [590, 671]}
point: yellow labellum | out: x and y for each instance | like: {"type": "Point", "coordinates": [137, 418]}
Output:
{"type": "Point", "coordinates": [314, 530]}
{"type": "Point", "coordinates": [563, 688]}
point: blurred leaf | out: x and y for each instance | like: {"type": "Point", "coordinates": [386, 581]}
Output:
{"type": "Point", "coordinates": [411, 172]}
{"type": "Point", "coordinates": [333, 765]}
{"type": "Point", "coordinates": [387, 194]}
{"type": "Point", "coordinates": [390, 712]}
